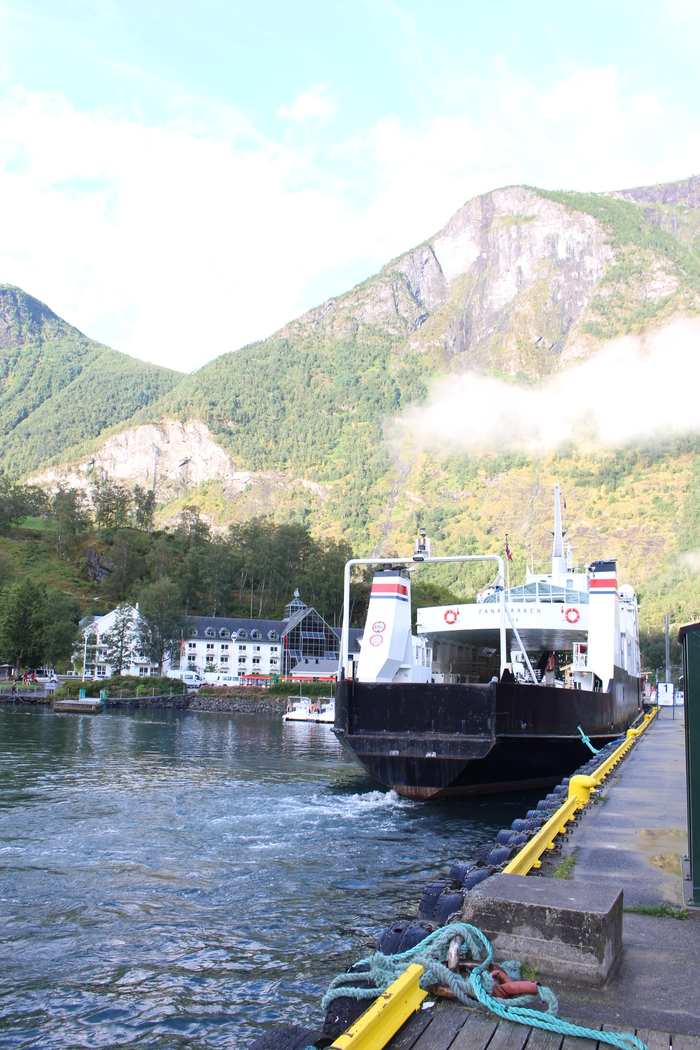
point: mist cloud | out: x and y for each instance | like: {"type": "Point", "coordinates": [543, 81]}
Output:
{"type": "Point", "coordinates": [635, 387]}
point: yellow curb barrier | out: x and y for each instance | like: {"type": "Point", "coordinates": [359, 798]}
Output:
{"type": "Point", "coordinates": [581, 787]}
{"type": "Point", "coordinates": [377, 1025]}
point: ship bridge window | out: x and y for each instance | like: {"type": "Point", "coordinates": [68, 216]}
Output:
{"type": "Point", "coordinates": [540, 592]}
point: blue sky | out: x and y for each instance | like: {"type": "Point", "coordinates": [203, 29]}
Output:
{"type": "Point", "coordinates": [179, 179]}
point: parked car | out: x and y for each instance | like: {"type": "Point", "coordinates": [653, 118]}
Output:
{"type": "Point", "coordinates": [43, 674]}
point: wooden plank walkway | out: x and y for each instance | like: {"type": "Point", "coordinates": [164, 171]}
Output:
{"type": "Point", "coordinates": [450, 1027]}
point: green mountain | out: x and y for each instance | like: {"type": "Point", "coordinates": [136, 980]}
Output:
{"type": "Point", "coordinates": [521, 283]}
{"type": "Point", "coordinates": [60, 392]}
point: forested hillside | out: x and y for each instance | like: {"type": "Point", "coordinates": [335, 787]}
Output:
{"type": "Point", "coordinates": [520, 284]}
{"type": "Point", "coordinates": [60, 391]}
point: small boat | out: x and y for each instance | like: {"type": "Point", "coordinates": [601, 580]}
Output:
{"type": "Point", "coordinates": [322, 709]}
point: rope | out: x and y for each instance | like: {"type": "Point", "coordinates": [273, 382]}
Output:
{"type": "Point", "coordinates": [595, 750]}
{"type": "Point", "coordinates": [430, 953]}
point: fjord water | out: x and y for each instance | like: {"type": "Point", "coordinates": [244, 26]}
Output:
{"type": "Point", "coordinates": [172, 879]}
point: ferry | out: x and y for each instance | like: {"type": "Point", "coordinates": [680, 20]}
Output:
{"type": "Point", "coordinates": [302, 709]}
{"type": "Point", "coordinates": [495, 695]}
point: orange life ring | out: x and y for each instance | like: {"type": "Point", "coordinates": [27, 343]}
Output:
{"type": "Point", "coordinates": [451, 616]}
{"type": "Point", "coordinates": [572, 615]}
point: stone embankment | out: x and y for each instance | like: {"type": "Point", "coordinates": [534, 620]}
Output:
{"type": "Point", "coordinates": [262, 702]}
{"type": "Point", "coordinates": [252, 701]}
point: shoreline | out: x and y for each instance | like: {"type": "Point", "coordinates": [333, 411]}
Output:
{"type": "Point", "coordinates": [234, 703]}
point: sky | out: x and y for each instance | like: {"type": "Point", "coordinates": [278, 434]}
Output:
{"type": "Point", "coordinates": [180, 179]}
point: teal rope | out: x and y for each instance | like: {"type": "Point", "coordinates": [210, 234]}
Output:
{"type": "Point", "coordinates": [430, 953]}
{"type": "Point", "coordinates": [595, 750]}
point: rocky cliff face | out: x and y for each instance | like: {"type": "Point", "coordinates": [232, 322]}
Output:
{"type": "Point", "coordinates": [516, 282]}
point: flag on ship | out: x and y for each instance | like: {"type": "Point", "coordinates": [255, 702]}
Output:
{"type": "Point", "coordinates": [509, 556]}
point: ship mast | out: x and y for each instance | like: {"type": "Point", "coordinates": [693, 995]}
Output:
{"type": "Point", "coordinates": [558, 556]}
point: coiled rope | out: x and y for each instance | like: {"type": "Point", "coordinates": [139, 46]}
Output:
{"type": "Point", "coordinates": [431, 954]}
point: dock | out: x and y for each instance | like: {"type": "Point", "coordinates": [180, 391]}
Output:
{"type": "Point", "coordinates": [633, 837]}
{"type": "Point", "coordinates": [87, 706]}
{"type": "Point", "coordinates": [450, 1027]}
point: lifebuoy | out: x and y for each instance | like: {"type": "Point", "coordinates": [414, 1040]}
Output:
{"type": "Point", "coordinates": [451, 616]}
{"type": "Point", "coordinates": [572, 615]}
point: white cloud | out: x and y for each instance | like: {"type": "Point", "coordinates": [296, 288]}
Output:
{"type": "Point", "coordinates": [312, 105]}
{"type": "Point", "coordinates": [633, 388]}
{"type": "Point", "coordinates": [179, 241]}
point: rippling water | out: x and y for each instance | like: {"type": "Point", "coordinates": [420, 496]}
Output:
{"type": "Point", "coordinates": [171, 879]}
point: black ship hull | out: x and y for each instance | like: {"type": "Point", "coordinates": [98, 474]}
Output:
{"type": "Point", "coordinates": [429, 740]}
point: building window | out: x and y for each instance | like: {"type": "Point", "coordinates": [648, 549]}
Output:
{"type": "Point", "coordinates": [255, 634]}
{"type": "Point", "coordinates": [256, 648]}
{"type": "Point", "coordinates": [274, 662]}
{"type": "Point", "coordinates": [256, 661]}
{"type": "Point", "coordinates": [224, 648]}
{"type": "Point", "coordinates": [242, 633]}
{"type": "Point", "coordinates": [191, 645]}
{"type": "Point", "coordinates": [273, 636]}
{"type": "Point", "coordinates": [273, 648]}
{"type": "Point", "coordinates": [224, 659]}
{"type": "Point", "coordinates": [241, 648]}
{"type": "Point", "coordinates": [223, 633]}
{"type": "Point", "coordinates": [209, 632]}
{"type": "Point", "coordinates": [210, 645]}
{"type": "Point", "coordinates": [241, 659]}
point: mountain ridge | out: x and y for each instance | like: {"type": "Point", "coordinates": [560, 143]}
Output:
{"type": "Point", "coordinates": [520, 283]}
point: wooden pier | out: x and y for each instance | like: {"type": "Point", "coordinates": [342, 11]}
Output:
{"type": "Point", "coordinates": [450, 1027]}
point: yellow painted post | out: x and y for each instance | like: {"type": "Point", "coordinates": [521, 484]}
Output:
{"type": "Point", "coordinates": [580, 788]}
{"type": "Point", "coordinates": [377, 1025]}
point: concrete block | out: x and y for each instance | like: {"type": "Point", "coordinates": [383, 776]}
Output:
{"type": "Point", "coordinates": [564, 928]}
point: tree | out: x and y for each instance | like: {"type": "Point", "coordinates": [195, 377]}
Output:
{"type": "Point", "coordinates": [70, 513]}
{"type": "Point", "coordinates": [161, 620]}
{"type": "Point", "coordinates": [112, 504]}
{"type": "Point", "coordinates": [18, 502]}
{"type": "Point", "coordinates": [192, 526]}
{"type": "Point", "coordinates": [22, 610]}
{"type": "Point", "coordinates": [145, 505]}
{"type": "Point", "coordinates": [119, 642]}
{"type": "Point", "coordinates": [127, 563]}
{"type": "Point", "coordinates": [60, 628]}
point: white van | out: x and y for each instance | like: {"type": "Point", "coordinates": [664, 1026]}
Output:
{"type": "Point", "coordinates": [220, 678]}
{"type": "Point", "coordinates": [192, 679]}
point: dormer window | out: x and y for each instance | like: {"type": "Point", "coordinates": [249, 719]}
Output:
{"type": "Point", "coordinates": [193, 632]}
{"type": "Point", "coordinates": [242, 633]}
{"type": "Point", "coordinates": [273, 636]}
{"type": "Point", "coordinates": [223, 633]}
{"type": "Point", "coordinates": [209, 632]}
{"type": "Point", "coordinates": [255, 634]}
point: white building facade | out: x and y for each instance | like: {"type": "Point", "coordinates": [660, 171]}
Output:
{"type": "Point", "coordinates": [231, 646]}
{"type": "Point", "coordinates": [96, 644]}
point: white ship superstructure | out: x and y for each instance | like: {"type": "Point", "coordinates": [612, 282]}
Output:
{"type": "Point", "coordinates": [582, 614]}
